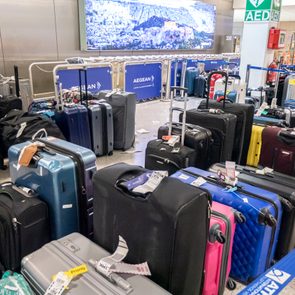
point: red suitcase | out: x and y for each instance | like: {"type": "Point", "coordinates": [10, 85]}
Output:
{"type": "Point", "coordinates": [278, 149]}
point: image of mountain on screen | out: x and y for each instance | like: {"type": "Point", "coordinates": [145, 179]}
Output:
{"type": "Point", "coordinates": [135, 25]}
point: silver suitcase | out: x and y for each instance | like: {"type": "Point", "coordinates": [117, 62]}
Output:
{"type": "Point", "coordinates": [69, 252]}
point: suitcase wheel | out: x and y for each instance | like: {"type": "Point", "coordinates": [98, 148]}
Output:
{"type": "Point", "coordinates": [110, 153]}
{"type": "Point", "coordinates": [266, 218]}
{"type": "Point", "coordinates": [240, 217]}
{"type": "Point", "coordinates": [231, 284]}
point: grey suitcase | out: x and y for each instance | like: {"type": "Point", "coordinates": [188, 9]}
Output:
{"type": "Point", "coordinates": [101, 125]}
{"type": "Point", "coordinates": [69, 252]}
{"type": "Point", "coordinates": [124, 106]}
{"type": "Point", "coordinates": [289, 88]}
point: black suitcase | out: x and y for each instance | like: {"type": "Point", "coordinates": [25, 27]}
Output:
{"type": "Point", "coordinates": [24, 225]}
{"type": "Point", "coordinates": [244, 113]}
{"type": "Point", "coordinates": [196, 137]}
{"type": "Point", "coordinates": [11, 102]}
{"type": "Point", "coordinates": [160, 155]}
{"type": "Point", "coordinates": [167, 228]}
{"type": "Point", "coordinates": [284, 186]}
{"type": "Point", "coordinates": [124, 107]}
{"type": "Point", "coordinates": [221, 124]}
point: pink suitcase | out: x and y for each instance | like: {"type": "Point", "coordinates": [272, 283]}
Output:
{"type": "Point", "coordinates": [219, 249]}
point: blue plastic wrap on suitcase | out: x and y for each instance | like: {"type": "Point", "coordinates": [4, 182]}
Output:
{"type": "Point", "coordinates": [268, 121]}
{"type": "Point", "coordinates": [255, 240]}
{"type": "Point", "coordinates": [74, 123]}
{"type": "Point", "coordinates": [289, 103]}
{"type": "Point", "coordinates": [62, 176]}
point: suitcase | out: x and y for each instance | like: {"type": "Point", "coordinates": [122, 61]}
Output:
{"type": "Point", "coordinates": [244, 123]}
{"type": "Point", "coordinates": [200, 87]}
{"type": "Point", "coordinates": [162, 220]}
{"type": "Point", "coordinates": [8, 100]}
{"type": "Point", "coordinates": [124, 107]}
{"type": "Point", "coordinates": [72, 251]}
{"type": "Point", "coordinates": [286, 114]}
{"type": "Point", "coordinates": [190, 75]}
{"type": "Point", "coordinates": [74, 123]}
{"type": "Point", "coordinates": [159, 155]}
{"type": "Point", "coordinates": [255, 146]}
{"type": "Point", "coordinates": [266, 121]}
{"type": "Point", "coordinates": [61, 174]}
{"type": "Point", "coordinates": [278, 149]}
{"type": "Point", "coordinates": [14, 284]}
{"type": "Point", "coordinates": [290, 103]}
{"type": "Point", "coordinates": [24, 225]}
{"type": "Point", "coordinates": [284, 186]}
{"type": "Point", "coordinates": [255, 240]}
{"type": "Point", "coordinates": [219, 250]}
{"type": "Point", "coordinates": [289, 88]}
{"type": "Point", "coordinates": [196, 137]}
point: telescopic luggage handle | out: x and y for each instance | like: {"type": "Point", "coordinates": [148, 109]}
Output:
{"type": "Point", "coordinates": [173, 90]}
{"type": "Point", "coordinates": [16, 77]}
{"type": "Point", "coordinates": [224, 75]}
{"type": "Point", "coordinates": [86, 85]}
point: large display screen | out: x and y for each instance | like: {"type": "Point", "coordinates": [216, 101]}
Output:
{"type": "Point", "coordinates": [148, 24]}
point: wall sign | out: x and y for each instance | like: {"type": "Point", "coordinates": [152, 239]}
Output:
{"type": "Point", "coordinates": [263, 10]}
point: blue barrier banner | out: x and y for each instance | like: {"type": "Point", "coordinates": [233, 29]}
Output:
{"type": "Point", "coordinates": [210, 65]}
{"type": "Point", "coordinates": [98, 79]}
{"type": "Point", "coordinates": [178, 76]}
{"type": "Point", "coordinates": [275, 279]}
{"type": "Point", "coordinates": [144, 79]}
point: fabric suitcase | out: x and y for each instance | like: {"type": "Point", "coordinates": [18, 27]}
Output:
{"type": "Point", "coordinates": [101, 125]}
{"type": "Point", "coordinates": [255, 146]}
{"type": "Point", "coordinates": [72, 251]}
{"type": "Point", "coordinates": [278, 149]}
{"type": "Point", "coordinates": [255, 240]}
{"type": "Point", "coordinates": [61, 174]}
{"type": "Point", "coordinates": [160, 155]}
{"type": "Point", "coordinates": [18, 126]}
{"type": "Point", "coordinates": [162, 220]}
{"type": "Point", "coordinates": [219, 249]}
{"type": "Point", "coordinates": [190, 75]}
{"type": "Point", "coordinates": [24, 225]}
{"type": "Point", "coordinates": [124, 107]}
{"type": "Point", "coordinates": [196, 137]}
{"type": "Point", "coordinates": [74, 123]}
{"type": "Point", "coordinates": [200, 86]}
{"type": "Point", "coordinates": [14, 284]}
{"type": "Point", "coordinates": [244, 123]}
{"type": "Point", "coordinates": [284, 186]}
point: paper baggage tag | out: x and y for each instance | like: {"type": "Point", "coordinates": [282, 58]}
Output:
{"type": "Point", "coordinates": [264, 171]}
{"type": "Point", "coordinates": [230, 168]}
{"type": "Point", "coordinates": [59, 284]}
{"type": "Point", "coordinates": [174, 140]}
{"type": "Point", "coordinates": [152, 183]}
{"type": "Point", "coordinates": [199, 182]}
{"type": "Point", "coordinates": [21, 129]}
{"type": "Point", "coordinates": [27, 155]}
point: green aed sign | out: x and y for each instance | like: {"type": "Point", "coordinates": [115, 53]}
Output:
{"type": "Point", "coordinates": [263, 10]}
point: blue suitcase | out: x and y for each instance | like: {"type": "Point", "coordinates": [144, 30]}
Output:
{"type": "Point", "coordinates": [255, 240]}
{"type": "Point", "coordinates": [61, 173]}
{"type": "Point", "coordinates": [74, 123]}
{"type": "Point", "coordinates": [260, 120]}
{"type": "Point", "coordinates": [190, 75]}
{"type": "Point", "coordinates": [289, 103]}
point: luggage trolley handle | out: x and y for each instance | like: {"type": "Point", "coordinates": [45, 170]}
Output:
{"type": "Point", "coordinates": [86, 85]}
{"type": "Point", "coordinates": [224, 75]}
{"type": "Point", "coordinates": [173, 90]}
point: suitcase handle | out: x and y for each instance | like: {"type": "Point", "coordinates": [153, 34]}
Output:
{"type": "Point", "coordinates": [86, 86]}
{"type": "Point", "coordinates": [224, 75]}
{"type": "Point", "coordinates": [286, 137]}
{"type": "Point", "coordinates": [129, 193]}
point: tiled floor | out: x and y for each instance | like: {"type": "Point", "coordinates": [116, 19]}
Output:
{"type": "Point", "coordinates": [149, 117]}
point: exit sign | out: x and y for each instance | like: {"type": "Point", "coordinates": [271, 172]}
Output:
{"type": "Point", "coordinates": [263, 10]}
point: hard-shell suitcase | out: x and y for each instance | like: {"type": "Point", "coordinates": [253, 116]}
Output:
{"type": "Point", "coordinates": [200, 87]}
{"type": "Point", "coordinates": [219, 249]}
{"type": "Point", "coordinates": [101, 125]}
{"type": "Point", "coordinates": [278, 149]}
{"type": "Point", "coordinates": [255, 240]}
{"type": "Point", "coordinates": [289, 88]}
{"type": "Point", "coordinates": [284, 186]}
{"type": "Point", "coordinates": [160, 155]}
{"type": "Point", "coordinates": [286, 114]}
{"type": "Point", "coordinates": [124, 107]}
{"type": "Point", "coordinates": [266, 121]}
{"type": "Point", "coordinates": [190, 75]}
{"type": "Point", "coordinates": [255, 146]}
{"type": "Point", "coordinates": [24, 225]}
{"type": "Point", "coordinates": [244, 123]}
{"type": "Point", "coordinates": [196, 137]}
{"type": "Point", "coordinates": [72, 251]}
{"type": "Point", "coordinates": [171, 225]}
{"type": "Point", "coordinates": [74, 123]}
{"type": "Point", "coordinates": [61, 173]}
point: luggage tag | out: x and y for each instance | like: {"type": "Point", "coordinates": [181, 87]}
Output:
{"type": "Point", "coordinates": [262, 108]}
{"type": "Point", "coordinates": [174, 140]}
{"type": "Point", "coordinates": [27, 153]}
{"type": "Point", "coordinates": [264, 171]}
{"type": "Point", "coordinates": [135, 182]}
{"type": "Point", "coordinates": [198, 182]}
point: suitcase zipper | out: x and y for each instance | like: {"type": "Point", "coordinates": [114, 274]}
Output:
{"type": "Point", "coordinates": [79, 165]}
{"type": "Point", "coordinates": [212, 180]}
